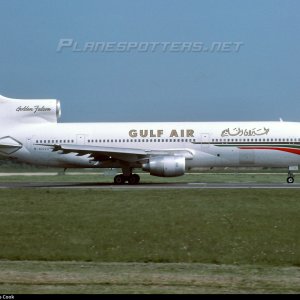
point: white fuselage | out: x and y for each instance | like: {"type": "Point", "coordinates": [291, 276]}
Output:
{"type": "Point", "coordinates": [211, 144]}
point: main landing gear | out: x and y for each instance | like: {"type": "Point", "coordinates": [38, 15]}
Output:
{"type": "Point", "coordinates": [127, 176]}
{"type": "Point", "coordinates": [131, 179]}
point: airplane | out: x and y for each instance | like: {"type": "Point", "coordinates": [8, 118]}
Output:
{"type": "Point", "coordinates": [30, 133]}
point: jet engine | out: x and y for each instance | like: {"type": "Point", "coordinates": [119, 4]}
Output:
{"type": "Point", "coordinates": [165, 166]}
{"type": "Point", "coordinates": [29, 111]}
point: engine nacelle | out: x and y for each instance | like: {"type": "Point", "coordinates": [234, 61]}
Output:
{"type": "Point", "coordinates": [165, 166]}
{"type": "Point", "coordinates": [29, 111]}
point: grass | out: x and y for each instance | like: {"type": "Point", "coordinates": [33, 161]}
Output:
{"type": "Point", "coordinates": [204, 240]}
{"type": "Point", "coordinates": [205, 226]}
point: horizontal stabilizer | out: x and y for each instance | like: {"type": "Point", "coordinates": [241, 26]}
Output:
{"type": "Point", "coordinates": [9, 145]}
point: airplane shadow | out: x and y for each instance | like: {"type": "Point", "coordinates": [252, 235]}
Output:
{"type": "Point", "coordinates": [143, 185]}
{"type": "Point", "coordinates": [13, 185]}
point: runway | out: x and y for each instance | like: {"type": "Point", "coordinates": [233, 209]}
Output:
{"type": "Point", "coordinates": [144, 186]}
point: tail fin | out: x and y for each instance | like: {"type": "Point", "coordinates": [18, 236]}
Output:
{"type": "Point", "coordinates": [29, 111]}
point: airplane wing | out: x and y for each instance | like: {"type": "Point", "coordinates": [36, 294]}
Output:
{"type": "Point", "coordinates": [124, 154]}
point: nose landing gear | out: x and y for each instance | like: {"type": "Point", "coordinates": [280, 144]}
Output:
{"type": "Point", "coordinates": [290, 178]}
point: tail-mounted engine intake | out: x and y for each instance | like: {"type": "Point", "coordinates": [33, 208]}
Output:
{"type": "Point", "coordinates": [29, 111]}
{"type": "Point", "coordinates": [165, 166]}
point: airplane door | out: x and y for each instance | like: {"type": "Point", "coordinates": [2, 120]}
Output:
{"type": "Point", "coordinates": [204, 140]}
{"type": "Point", "coordinates": [31, 143]}
{"type": "Point", "coordinates": [80, 139]}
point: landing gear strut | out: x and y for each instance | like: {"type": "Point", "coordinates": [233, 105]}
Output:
{"type": "Point", "coordinates": [131, 179]}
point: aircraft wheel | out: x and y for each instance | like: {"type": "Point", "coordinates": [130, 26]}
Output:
{"type": "Point", "coordinates": [119, 179]}
{"type": "Point", "coordinates": [134, 179]}
{"type": "Point", "coordinates": [290, 180]}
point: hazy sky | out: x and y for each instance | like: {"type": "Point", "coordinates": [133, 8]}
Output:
{"type": "Point", "coordinates": [181, 82]}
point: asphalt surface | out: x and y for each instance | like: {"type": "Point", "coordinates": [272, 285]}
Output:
{"type": "Point", "coordinates": [141, 186]}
